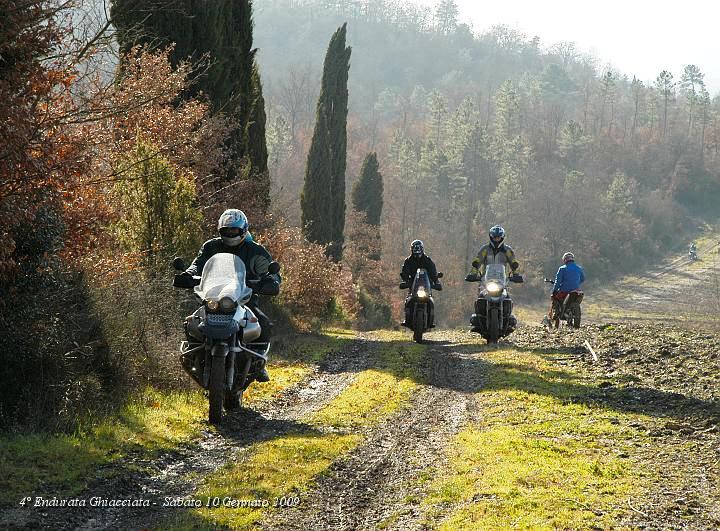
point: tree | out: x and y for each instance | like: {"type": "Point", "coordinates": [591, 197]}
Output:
{"type": "Point", "coordinates": [323, 197]}
{"type": "Point", "coordinates": [218, 36]}
{"type": "Point", "coordinates": [572, 143]}
{"type": "Point", "coordinates": [666, 88]}
{"type": "Point", "coordinates": [280, 142]}
{"type": "Point", "coordinates": [691, 84]}
{"type": "Point", "coordinates": [367, 193]}
{"type": "Point", "coordinates": [40, 158]}
{"type": "Point", "coordinates": [446, 15]}
{"type": "Point", "coordinates": [158, 215]}
{"type": "Point", "coordinates": [607, 97]}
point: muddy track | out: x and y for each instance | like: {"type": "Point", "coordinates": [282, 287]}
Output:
{"type": "Point", "coordinates": [177, 473]}
{"type": "Point", "coordinates": [378, 483]}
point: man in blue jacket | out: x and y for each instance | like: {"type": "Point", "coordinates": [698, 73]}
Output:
{"type": "Point", "coordinates": [569, 277]}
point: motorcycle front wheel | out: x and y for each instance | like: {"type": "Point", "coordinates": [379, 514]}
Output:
{"type": "Point", "coordinates": [419, 325]}
{"type": "Point", "coordinates": [493, 326]}
{"type": "Point", "coordinates": [216, 387]}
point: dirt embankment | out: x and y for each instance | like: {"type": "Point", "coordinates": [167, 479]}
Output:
{"type": "Point", "coordinates": [672, 375]}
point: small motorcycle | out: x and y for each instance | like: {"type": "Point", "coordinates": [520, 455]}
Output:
{"type": "Point", "coordinates": [566, 309]}
{"type": "Point", "coordinates": [221, 353]}
{"type": "Point", "coordinates": [419, 304]}
{"type": "Point", "coordinates": [493, 308]}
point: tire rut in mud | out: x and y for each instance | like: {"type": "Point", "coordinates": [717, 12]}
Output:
{"type": "Point", "coordinates": [380, 481]}
{"type": "Point", "coordinates": [177, 473]}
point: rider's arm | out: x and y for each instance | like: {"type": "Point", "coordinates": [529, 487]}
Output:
{"type": "Point", "coordinates": [259, 263]}
{"type": "Point", "coordinates": [558, 279]}
{"type": "Point", "coordinates": [407, 272]}
{"type": "Point", "coordinates": [206, 251]}
{"type": "Point", "coordinates": [478, 263]}
{"type": "Point", "coordinates": [432, 270]}
{"type": "Point", "coordinates": [510, 255]}
{"type": "Point", "coordinates": [582, 275]}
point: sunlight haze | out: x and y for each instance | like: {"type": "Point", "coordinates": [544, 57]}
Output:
{"type": "Point", "coordinates": [638, 38]}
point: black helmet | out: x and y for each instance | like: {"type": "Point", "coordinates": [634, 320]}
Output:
{"type": "Point", "coordinates": [497, 236]}
{"type": "Point", "coordinates": [417, 248]}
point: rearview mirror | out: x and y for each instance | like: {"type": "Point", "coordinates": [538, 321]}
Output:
{"type": "Point", "coordinates": [274, 268]}
{"type": "Point", "coordinates": [440, 275]}
{"type": "Point", "coordinates": [179, 264]}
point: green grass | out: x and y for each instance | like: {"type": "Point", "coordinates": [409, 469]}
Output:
{"type": "Point", "coordinates": [541, 458]}
{"type": "Point", "coordinates": [63, 464]}
{"type": "Point", "coordinates": [289, 464]}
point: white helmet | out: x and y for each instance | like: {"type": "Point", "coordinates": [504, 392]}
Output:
{"type": "Point", "coordinates": [233, 226]}
{"type": "Point", "coordinates": [568, 257]}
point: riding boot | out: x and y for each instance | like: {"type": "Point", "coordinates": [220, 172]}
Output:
{"type": "Point", "coordinates": [263, 375]}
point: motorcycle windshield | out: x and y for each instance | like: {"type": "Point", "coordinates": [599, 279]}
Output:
{"type": "Point", "coordinates": [495, 273]}
{"type": "Point", "coordinates": [223, 276]}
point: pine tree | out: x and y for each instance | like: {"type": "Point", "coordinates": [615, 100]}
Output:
{"type": "Point", "coordinates": [323, 197]}
{"type": "Point", "coordinates": [367, 193]}
{"type": "Point", "coordinates": [666, 87]}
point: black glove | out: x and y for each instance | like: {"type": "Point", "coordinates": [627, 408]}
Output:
{"type": "Point", "coordinates": [471, 277]}
{"type": "Point", "coordinates": [184, 280]}
{"type": "Point", "coordinates": [437, 286]}
{"type": "Point", "coordinates": [268, 286]}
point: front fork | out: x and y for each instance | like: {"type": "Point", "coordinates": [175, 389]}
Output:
{"type": "Point", "coordinates": [219, 352]}
{"type": "Point", "coordinates": [491, 304]}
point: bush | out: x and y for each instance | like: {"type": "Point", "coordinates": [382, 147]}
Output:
{"type": "Point", "coordinates": [314, 287]}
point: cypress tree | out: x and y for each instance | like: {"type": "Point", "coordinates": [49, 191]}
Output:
{"type": "Point", "coordinates": [256, 145]}
{"type": "Point", "coordinates": [323, 197]}
{"type": "Point", "coordinates": [367, 193]}
{"type": "Point", "coordinates": [222, 30]}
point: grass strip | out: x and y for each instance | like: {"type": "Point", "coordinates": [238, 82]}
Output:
{"type": "Point", "coordinates": [541, 458]}
{"type": "Point", "coordinates": [63, 464]}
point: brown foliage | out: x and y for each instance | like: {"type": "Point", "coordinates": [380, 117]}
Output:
{"type": "Point", "coordinates": [144, 102]}
{"type": "Point", "coordinates": [38, 159]}
{"type": "Point", "coordinates": [311, 281]}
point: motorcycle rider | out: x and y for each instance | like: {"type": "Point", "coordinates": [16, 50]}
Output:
{"type": "Point", "coordinates": [495, 252]}
{"type": "Point", "coordinates": [569, 277]}
{"type": "Point", "coordinates": [418, 260]}
{"type": "Point", "coordinates": [693, 249]}
{"type": "Point", "coordinates": [234, 238]}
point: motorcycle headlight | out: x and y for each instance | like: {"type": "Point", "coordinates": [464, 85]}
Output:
{"type": "Point", "coordinates": [212, 305]}
{"type": "Point", "coordinates": [494, 288]}
{"type": "Point", "coordinates": [421, 293]}
{"type": "Point", "coordinates": [227, 305]}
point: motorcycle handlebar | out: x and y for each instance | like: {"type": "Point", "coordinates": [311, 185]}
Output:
{"type": "Point", "coordinates": [264, 286]}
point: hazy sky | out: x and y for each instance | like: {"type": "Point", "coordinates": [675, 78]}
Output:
{"type": "Point", "coordinates": [638, 37]}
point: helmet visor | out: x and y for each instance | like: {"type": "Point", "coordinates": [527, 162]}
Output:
{"type": "Point", "coordinates": [231, 232]}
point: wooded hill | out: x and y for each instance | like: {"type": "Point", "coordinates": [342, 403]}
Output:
{"type": "Point", "coordinates": [496, 127]}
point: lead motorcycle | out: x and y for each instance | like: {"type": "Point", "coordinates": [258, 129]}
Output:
{"type": "Point", "coordinates": [419, 304]}
{"type": "Point", "coordinates": [221, 353]}
{"type": "Point", "coordinates": [493, 307]}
